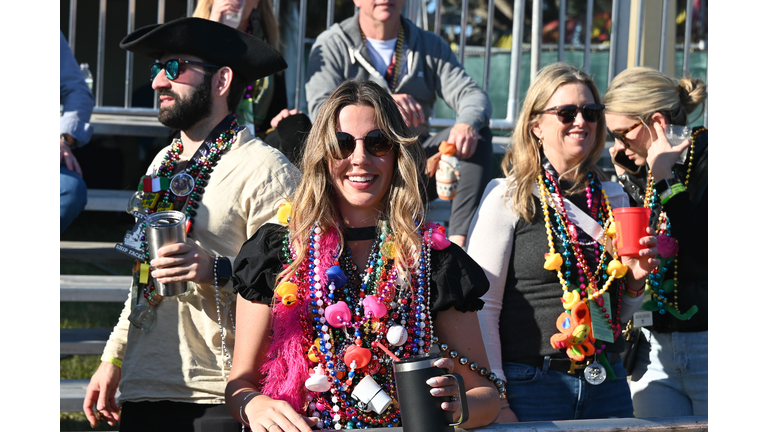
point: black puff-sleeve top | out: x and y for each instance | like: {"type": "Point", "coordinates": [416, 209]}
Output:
{"type": "Point", "coordinates": [457, 280]}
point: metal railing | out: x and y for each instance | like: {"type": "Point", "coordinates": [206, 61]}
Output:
{"type": "Point", "coordinates": [416, 10]}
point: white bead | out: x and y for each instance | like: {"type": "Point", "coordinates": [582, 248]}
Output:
{"type": "Point", "coordinates": [318, 230]}
{"type": "Point", "coordinates": [319, 302]}
{"type": "Point", "coordinates": [336, 408]}
{"type": "Point", "coordinates": [397, 335]}
{"type": "Point", "coordinates": [321, 311]}
{"type": "Point", "coordinates": [326, 336]}
{"type": "Point", "coordinates": [337, 417]}
{"type": "Point", "coordinates": [328, 345]}
{"type": "Point", "coordinates": [334, 399]}
{"type": "Point", "coordinates": [337, 426]}
{"type": "Point", "coordinates": [324, 328]}
{"type": "Point", "coordinates": [322, 319]}
{"type": "Point", "coordinates": [316, 278]}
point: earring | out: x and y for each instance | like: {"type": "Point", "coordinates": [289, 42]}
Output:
{"type": "Point", "coordinates": [541, 143]}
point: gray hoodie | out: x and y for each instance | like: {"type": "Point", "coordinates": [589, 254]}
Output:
{"type": "Point", "coordinates": [433, 70]}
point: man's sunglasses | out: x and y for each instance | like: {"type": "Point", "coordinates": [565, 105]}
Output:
{"type": "Point", "coordinates": [376, 143]}
{"type": "Point", "coordinates": [622, 136]}
{"type": "Point", "coordinates": [172, 68]}
{"type": "Point", "coordinates": [567, 113]}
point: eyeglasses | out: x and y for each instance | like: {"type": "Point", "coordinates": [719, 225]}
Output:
{"type": "Point", "coordinates": [622, 136]}
{"type": "Point", "coordinates": [567, 113]}
{"type": "Point", "coordinates": [376, 143]}
{"type": "Point", "coordinates": [172, 68]}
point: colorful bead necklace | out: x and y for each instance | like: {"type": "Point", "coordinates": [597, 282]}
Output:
{"type": "Point", "coordinates": [663, 294]}
{"type": "Point", "coordinates": [345, 315]}
{"type": "Point", "coordinates": [199, 169]}
{"type": "Point", "coordinates": [576, 324]}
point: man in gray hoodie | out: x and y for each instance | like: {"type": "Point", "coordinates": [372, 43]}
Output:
{"type": "Point", "coordinates": [417, 66]}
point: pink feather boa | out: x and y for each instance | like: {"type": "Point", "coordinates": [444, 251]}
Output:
{"type": "Point", "coordinates": [287, 366]}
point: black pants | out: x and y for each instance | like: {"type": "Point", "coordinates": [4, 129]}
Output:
{"type": "Point", "coordinates": [167, 416]}
{"type": "Point", "coordinates": [476, 172]}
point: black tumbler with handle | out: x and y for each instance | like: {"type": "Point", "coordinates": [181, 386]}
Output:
{"type": "Point", "coordinates": [419, 410]}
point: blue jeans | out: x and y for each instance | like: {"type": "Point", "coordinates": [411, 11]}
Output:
{"type": "Point", "coordinates": [538, 395]}
{"type": "Point", "coordinates": [670, 376]}
{"type": "Point", "coordinates": [73, 196]}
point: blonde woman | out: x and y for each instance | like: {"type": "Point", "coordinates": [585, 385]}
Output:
{"type": "Point", "coordinates": [558, 294]}
{"type": "Point", "coordinates": [670, 375]}
{"type": "Point", "coordinates": [354, 270]}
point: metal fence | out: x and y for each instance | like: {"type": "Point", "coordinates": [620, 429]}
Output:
{"type": "Point", "coordinates": [416, 11]}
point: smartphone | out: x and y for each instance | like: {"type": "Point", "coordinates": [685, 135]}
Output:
{"type": "Point", "coordinates": [621, 159]}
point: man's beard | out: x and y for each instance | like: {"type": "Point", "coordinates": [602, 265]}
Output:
{"type": "Point", "coordinates": [185, 113]}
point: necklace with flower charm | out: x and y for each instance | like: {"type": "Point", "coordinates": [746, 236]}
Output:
{"type": "Point", "coordinates": [587, 318]}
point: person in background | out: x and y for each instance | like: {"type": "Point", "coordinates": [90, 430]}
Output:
{"type": "Point", "coordinates": [416, 67]}
{"type": "Point", "coordinates": [670, 377]}
{"type": "Point", "coordinates": [74, 131]}
{"type": "Point", "coordinates": [353, 243]}
{"type": "Point", "coordinates": [264, 106]}
{"type": "Point", "coordinates": [559, 293]}
{"type": "Point", "coordinates": [171, 356]}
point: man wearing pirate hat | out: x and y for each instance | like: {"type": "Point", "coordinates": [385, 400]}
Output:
{"type": "Point", "coordinates": [171, 355]}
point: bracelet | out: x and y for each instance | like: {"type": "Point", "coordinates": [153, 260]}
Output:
{"type": "Point", "coordinates": [633, 293]}
{"type": "Point", "coordinates": [672, 191]}
{"type": "Point", "coordinates": [245, 399]}
{"type": "Point", "coordinates": [110, 359]}
{"type": "Point", "coordinates": [484, 372]}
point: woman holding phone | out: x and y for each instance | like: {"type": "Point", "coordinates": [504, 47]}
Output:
{"type": "Point", "coordinates": [670, 375]}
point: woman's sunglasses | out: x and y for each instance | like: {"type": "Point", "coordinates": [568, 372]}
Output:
{"type": "Point", "coordinates": [567, 113]}
{"type": "Point", "coordinates": [376, 143]}
{"type": "Point", "coordinates": [622, 136]}
{"type": "Point", "coordinates": [172, 68]}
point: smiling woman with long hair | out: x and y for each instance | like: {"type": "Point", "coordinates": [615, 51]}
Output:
{"type": "Point", "coordinates": [559, 292]}
{"type": "Point", "coordinates": [351, 272]}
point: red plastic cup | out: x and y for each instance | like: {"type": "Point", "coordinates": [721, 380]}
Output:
{"type": "Point", "coordinates": [631, 223]}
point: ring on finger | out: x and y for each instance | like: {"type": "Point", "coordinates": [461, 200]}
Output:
{"type": "Point", "coordinates": [273, 424]}
{"type": "Point", "coordinates": [99, 416]}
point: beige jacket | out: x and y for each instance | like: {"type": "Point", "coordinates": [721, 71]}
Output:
{"type": "Point", "coordinates": [181, 358]}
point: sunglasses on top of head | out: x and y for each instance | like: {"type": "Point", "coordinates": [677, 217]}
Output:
{"type": "Point", "coordinates": [173, 68]}
{"type": "Point", "coordinates": [376, 143]}
{"type": "Point", "coordinates": [567, 113]}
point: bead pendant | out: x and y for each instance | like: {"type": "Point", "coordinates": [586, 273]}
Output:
{"type": "Point", "coordinates": [595, 373]}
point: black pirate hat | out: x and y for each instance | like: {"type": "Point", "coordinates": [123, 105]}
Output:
{"type": "Point", "coordinates": [247, 55]}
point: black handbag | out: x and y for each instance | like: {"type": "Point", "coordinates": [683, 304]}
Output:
{"type": "Point", "coordinates": [633, 335]}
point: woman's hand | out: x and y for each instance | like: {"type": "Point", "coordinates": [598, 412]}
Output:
{"type": "Point", "coordinates": [662, 156]}
{"type": "Point", "coordinates": [182, 262]}
{"type": "Point", "coordinates": [219, 8]}
{"type": "Point", "coordinates": [446, 386]}
{"type": "Point", "coordinates": [265, 414]}
{"type": "Point", "coordinates": [639, 268]}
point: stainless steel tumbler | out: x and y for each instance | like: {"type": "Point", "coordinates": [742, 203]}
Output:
{"type": "Point", "coordinates": [420, 411]}
{"type": "Point", "coordinates": [166, 227]}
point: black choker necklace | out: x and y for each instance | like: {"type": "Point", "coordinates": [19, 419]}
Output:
{"type": "Point", "coordinates": [364, 233]}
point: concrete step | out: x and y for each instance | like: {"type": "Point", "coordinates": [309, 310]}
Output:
{"type": "Point", "coordinates": [85, 288]}
{"type": "Point", "coordinates": [91, 252]}
{"type": "Point", "coordinates": [72, 395]}
{"type": "Point", "coordinates": [108, 200]}
{"type": "Point", "coordinates": [83, 341]}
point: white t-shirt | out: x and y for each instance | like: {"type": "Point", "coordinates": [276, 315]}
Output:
{"type": "Point", "coordinates": [381, 53]}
